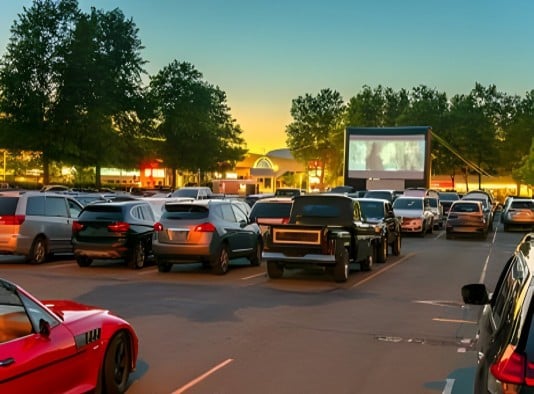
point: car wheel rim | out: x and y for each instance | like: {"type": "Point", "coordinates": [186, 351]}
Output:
{"type": "Point", "coordinates": [224, 260]}
{"type": "Point", "coordinates": [39, 251]}
{"type": "Point", "coordinates": [120, 363]}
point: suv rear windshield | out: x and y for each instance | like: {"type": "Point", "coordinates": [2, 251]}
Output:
{"type": "Point", "coordinates": [270, 210]}
{"type": "Point", "coordinates": [183, 211]}
{"type": "Point", "coordinates": [464, 207]}
{"type": "Point", "coordinates": [101, 212]}
{"type": "Point", "coordinates": [8, 205]}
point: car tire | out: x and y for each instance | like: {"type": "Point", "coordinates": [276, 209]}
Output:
{"type": "Point", "coordinates": [341, 269]}
{"type": "Point", "coordinates": [137, 256]}
{"type": "Point", "coordinates": [163, 266]}
{"type": "Point", "coordinates": [396, 246]}
{"type": "Point", "coordinates": [84, 261]}
{"type": "Point", "coordinates": [382, 250]}
{"type": "Point", "coordinates": [430, 229]}
{"type": "Point", "coordinates": [221, 262]}
{"type": "Point", "coordinates": [506, 228]}
{"type": "Point", "coordinates": [38, 251]}
{"type": "Point", "coordinates": [449, 236]}
{"type": "Point", "coordinates": [255, 257]}
{"type": "Point", "coordinates": [275, 270]}
{"type": "Point", "coordinates": [367, 264]}
{"type": "Point", "coordinates": [116, 368]}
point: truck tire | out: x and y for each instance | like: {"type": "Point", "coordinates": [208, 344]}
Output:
{"type": "Point", "coordinates": [382, 250]}
{"type": "Point", "coordinates": [367, 264]}
{"type": "Point", "coordinates": [275, 270]}
{"type": "Point", "coordinates": [341, 269]}
{"type": "Point", "coordinates": [396, 245]}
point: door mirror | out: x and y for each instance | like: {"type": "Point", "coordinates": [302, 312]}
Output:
{"type": "Point", "coordinates": [44, 328]}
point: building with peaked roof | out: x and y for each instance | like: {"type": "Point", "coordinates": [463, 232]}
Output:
{"type": "Point", "coordinates": [272, 170]}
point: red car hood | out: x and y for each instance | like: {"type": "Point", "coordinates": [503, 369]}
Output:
{"type": "Point", "coordinates": [71, 311]}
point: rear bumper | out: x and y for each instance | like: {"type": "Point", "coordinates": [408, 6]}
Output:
{"type": "Point", "coordinates": [97, 251]}
{"type": "Point", "coordinates": [181, 253]}
{"type": "Point", "coordinates": [311, 258]}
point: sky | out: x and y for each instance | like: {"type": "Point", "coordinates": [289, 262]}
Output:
{"type": "Point", "coordinates": [265, 53]}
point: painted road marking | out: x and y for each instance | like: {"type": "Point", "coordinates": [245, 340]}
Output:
{"type": "Point", "coordinates": [448, 386]}
{"type": "Point", "coordinates": [202, 377]}
{"type": "Point", "coordinates": [389, 266]}
{"type": "Point", "coordinates": [253, 276]}
{"type": "Point", "coordinates": [453, 320]}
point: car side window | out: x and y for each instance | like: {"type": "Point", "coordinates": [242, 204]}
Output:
{"type": "Point", "coordinates": [239, 214]}
{"type": "Point", "coordinates": [14, 321]}
{"type": "Point", "coordinates": [227, 212]}
{"type": "Point", "coordinates": [56, 206]}
{"type": "Point", "coordinates": [136, 212]}
{"type": "Point", "coordinates": [74, 209]}
{"type": "Point", "coordinates": [510, 286]}
{"type": "Point", "coordinates": [356, 212]}
{"type": "Point", "coordinates": [35, 206]}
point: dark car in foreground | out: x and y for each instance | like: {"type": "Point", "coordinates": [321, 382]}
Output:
{"type": "Point", "coordinates": [271, 210]}
{"type": "Point", "coordinates": [210, 231]}
{"type": "Point", "coordinates": [114, 230]}
{"type": "Point", "coordinates": [59, 346]}
{"type": "Point", "coordinates": [505, 338]}
{"type": "Point", "coordinates": [379, 213]}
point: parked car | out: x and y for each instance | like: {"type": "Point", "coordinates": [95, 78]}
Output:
{"type": "Point", "coordinates": [416, 216]}
{"type": "Point", "coordinates": [252, 198]}
{"type": "Point", "coordinates": [196, 192]}
{"type": "Point", "coordinates": [36, 224]}
{"type": "Point", "coordinates": [210, 231]}
{"type": "Point", "coordinates": [271, 210]}
{"type": "Point", "coordinates": [519, 215]}
{"type": "Point", "coordinates": [466, 217]}
{"type": "Point", "coordinates": [446, 199]}
{"type": "Point", "coordinates": [89, 198]}
{"type": "Point", "coordinates": [389, 195]}
{"type": "Point", "coordinates": [487, 207]}
{"type": "Point", "coordinates": [114, 230]}
{"type": "Point", "coordinates": [288, 192]}
{"type": "Point", "coordinates": [380, 213]}
{"type": "Point", "coordinates": [505, 338]}
{"type": "Point", "coordinates": [437, 210]}
{"type": "Point", "coordinates": [60, 346]}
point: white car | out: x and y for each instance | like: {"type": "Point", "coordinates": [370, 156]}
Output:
{"type": "Point", "coordinates": [416, 216]}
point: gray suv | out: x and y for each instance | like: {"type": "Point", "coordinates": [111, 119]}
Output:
{"type": "Point", "coordinates": [36, 224]}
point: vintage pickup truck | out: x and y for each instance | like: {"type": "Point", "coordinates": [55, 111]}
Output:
{"type": "Point", "coordinates": [325, 230]}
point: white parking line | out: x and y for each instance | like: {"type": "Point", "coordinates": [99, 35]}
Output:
{"type": "Point", "coordinates": [389, 266]}
{"type": "Point", "coordinates": [448, 386]}
{"type": "Point", "coordinates": [147, 271]}
{"type": "Point", "coordinates": [57, 266]}
{"type": "Point", "coordinates": [253, 276]}
{"type": "Point", "coordinates": [486, 262]}
{"type": "Point", "coordinates": [202, 377]}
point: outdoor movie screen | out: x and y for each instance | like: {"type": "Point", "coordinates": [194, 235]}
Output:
{"type": "Point", "coordinates": [398, 156]}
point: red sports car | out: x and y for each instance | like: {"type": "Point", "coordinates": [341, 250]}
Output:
{"type": "Point", "coordinates": [62, 346]}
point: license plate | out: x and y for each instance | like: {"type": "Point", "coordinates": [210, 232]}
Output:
{"type": "Point", "coordinates": [177, 235]}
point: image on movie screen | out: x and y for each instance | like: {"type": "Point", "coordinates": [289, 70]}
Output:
{"type": "Point", "coordinates": [386, 156]}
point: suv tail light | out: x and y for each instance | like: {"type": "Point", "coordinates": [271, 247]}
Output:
{"type": "Point", "coordinates": [77, 227]}
{"type": "Point", "coordinates": [158, 226]}
{"type": "Point", "coordinates": [119, 227]}
{"type": "Point", "coordinates": [205, 228]}
{"type": "Point", "coordinates": [12, 219]}
{"type": "Point", "coordinates": [510, 368]}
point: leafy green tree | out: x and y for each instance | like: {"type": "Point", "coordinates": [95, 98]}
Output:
{"type": "Point", "coordinates": [30, 75]}
{"type": "Point", "coordinates": [317, 131]}
{"type": "Point", "coordinates": [192, 120]}
{"type": "Point", "coordinates": [101, 94]}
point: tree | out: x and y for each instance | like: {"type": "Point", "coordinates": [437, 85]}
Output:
{"type": "Point", "coordinates": [30, 74]}
{"type": "Point", "coordinates": [317, 131]}
{"type": "Point", "coordinates": [101, 95]}
{"type": "Point", "coordinates": [193, 120]}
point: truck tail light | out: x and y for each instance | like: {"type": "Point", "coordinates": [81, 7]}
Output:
{"type": "Point", "coordinates": [205, 228]}
{"type": "Point", "coordinates": [285, 220]}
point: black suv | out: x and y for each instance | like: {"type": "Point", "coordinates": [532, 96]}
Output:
{"type": "Point", "coordinates": [505, 338]}
{"type": "Point", "coordinates": [114, 230]}
{"type": "Point", "coordinates": [379, 213]}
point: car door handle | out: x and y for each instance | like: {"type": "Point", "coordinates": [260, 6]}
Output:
{"type": "Point", "coordinates": [7, 361]}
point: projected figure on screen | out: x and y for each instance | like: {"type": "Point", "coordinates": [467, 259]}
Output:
{"type": "Point", "coordinates": [374, 161]}
{"type": "Point", "coordinates": [413, 158]}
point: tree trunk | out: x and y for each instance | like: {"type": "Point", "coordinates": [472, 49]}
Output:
{"type": "Point", "coordinates": [173, 178]}
{"type": "Point", "coordinates": [46, 169]}
{"type": "Point", "coordinates": [98, 173]}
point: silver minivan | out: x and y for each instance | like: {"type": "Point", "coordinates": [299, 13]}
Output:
{"type": "Point", "coordinates": [36, 224]}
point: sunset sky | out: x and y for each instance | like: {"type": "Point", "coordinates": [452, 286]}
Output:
{"type": "Point", "coordinates": [264, 54]}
